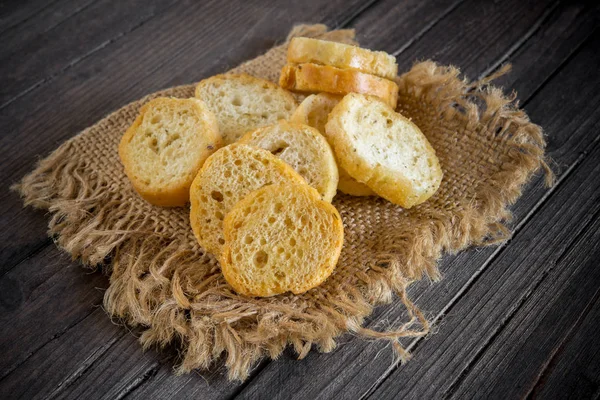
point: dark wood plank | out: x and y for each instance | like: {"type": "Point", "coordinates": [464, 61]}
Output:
{"type": "Point", "coordinates": [535, 285]}
{"type": "Point", "coordinates": [49, 53]}
{"type": "Point", "coordinates": [34, 27]}
{"type": "Point", "coordinates": [511, 364]}
{"type": "Point", "coordinates": [40, 300]}
{"type": "Point", "coordinates": [201, 40]}
{"type": "Point", "coordinates": [357, 362]}
{"type": "Point", "coordinates": [15, 12]}
{"type": "Point", "coordinates": [574, 370]}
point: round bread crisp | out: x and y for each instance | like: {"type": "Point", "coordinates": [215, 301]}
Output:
{"type": "Point", "coordinates": [314, 111]}
{"type": "Point", "coordinates": [313, 78]}
{"type": "Point", "coordinates": [384, 150]}
{"type": "Point", "coordinates": [281, 238]}
{"type": "Point", "coordinates": [165, 147]}
{"type": "Point", "coordinates": [307, 50]}
{"type": "Point", "coordinates": [227, 177]}
{"type": "Point", "coordinates": [302, 147]}
{"type": "Point", "coordinates": [242, 103]}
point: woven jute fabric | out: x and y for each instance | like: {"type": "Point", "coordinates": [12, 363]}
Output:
{"type": "Point", "coordinates": [162, 281]}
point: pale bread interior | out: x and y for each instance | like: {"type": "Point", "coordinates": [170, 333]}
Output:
{"type": "Point", "coordinates": [226, 178]}
{"type": "Point", "coordinates": [302, 147]}
{"type": "Point", "coordinates": [166, 146]}
{"type": "Point", "coordinates": [381, 148]}
{"type": "Point", "coordinates": [281, 238]}
{"type": "Point", "coordinates": [242, 103]}
{"type": "Point", "coordinates": [314, 111]}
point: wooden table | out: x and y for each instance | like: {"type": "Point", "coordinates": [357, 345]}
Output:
{"type": "Point", "coordinates": [517, 320]}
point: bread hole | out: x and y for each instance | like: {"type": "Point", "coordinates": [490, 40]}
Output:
{"type": "Point", "coordinates": [219, 215]}
{"type": "Point", "coordinates": [227, 173]}
{"type": "Point", "coordinates": [288, 256]}
{"type": "Point", "coordinates": [264, 115]}
{"type": "Point", "coordinates": [238, 162]}
{"type": "Point", "coordinates": [221, 93]}
{"type": "Point", "coordinates": [237, 225]}
{"type": "Point", "coordinates": [155, 119]}
{"type": "Point", "coordinates": [288, 222]}
{"type": "Point", "coordinates": [280, 250]}
{"type": "Point", "coordinates": [302, 171]}
{"type": "Point", "coordinates": [280, 116]}
{"type": "Point", "coordinates": [154, 145]}
{"type": "Point", "coordinates": [292, 242]}
{"type": "Point", "coordinates": [238, 257]}
{"type": "Point", "coordinates": [293, 200]}
{"type": "Point", "coordinates": [260, 259]}
{"type": "Point", "coordinates": [279, 150]}
{"type": "Point", "coordinates": [263, 241]}
{"type": "Point", "coordinates": [216, 195]}
{"type": "Point", "coordinates": [247, 211]}
{"type": "Point", "coordinates": [390, 137]}
{"type": "Point", "coordinates": [304, 220]}
{"type": "Point", "coordinates": [228, 193]}
{"type": "Point", "coordinates": [267, 99]}
{"type": "Point", "coordinates": [271, 220]}
{"type": "Point", "coordinates": [236, 101]}
{"type": "Point", "coordinates": [221, 241]}
{"type": "Point", "coordinates": [279, 275]}
{"type": "Point", "coordinates": [278, 207]}
{"type": "Point", "coordinates": [248, 239]}
{"type": "Point", "coordinates": [203, 198]}
{"type": "Point", "coordinates": [300, 253]}
{"type": "Point", "coordinates": [388, 123]}
{"type": "Point", "coordinates": [265, 86]}
{"type": "Point", "coordinates": [288, 107]}
{"type": "Point", "coordinates": [260, 199]}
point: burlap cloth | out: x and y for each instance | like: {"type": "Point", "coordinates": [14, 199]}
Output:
{"type": "Point", "coordinates": [161, 280]}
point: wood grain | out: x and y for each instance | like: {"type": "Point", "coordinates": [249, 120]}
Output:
{"type": "Point", "coordinates": [575, 367]}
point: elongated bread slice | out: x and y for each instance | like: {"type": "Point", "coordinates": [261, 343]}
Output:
{"type": "Point", "coordinates": [242, 103]}
{"type": "Point", "coordinates": [306, 50]}
{"type": "Point", "coordinates": [314, 78]}
{"type": "Point", "coordinates": [302, 147]}
{"type": "Point", "coordinates": [165, 147]}
{"type": "Point", "coordinates": [281, 238]}
{"type": "Point", "coordinates": [225, 178]}
{"type": "Point", "coordinates": [314, 111]}
{"type": "Point", "coordinates": [383, 149]}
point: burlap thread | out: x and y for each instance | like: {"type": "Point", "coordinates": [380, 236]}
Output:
{"type": "Point", "coordinates": [161, 280]}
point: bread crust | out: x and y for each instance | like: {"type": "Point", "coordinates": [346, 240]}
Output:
{"type": "Point", "coordinates": [226, 177]}
{"type": "Point", "coordinates": [303, 50]}
{"type": "Point", "coordinates": [176, 192]}
{"type": "Point", "coordinates": [280, 238]}
{"type": "Point", "coordinates": [247, 109]}
{"type": "Point", "coordinates": [302, 147]}
{"type": "Point", "coordinates": [313, 111]}
{"type": "Point", "coordinates": [388, 182]}
{"type": "Point", "coordinates": [313, 78]}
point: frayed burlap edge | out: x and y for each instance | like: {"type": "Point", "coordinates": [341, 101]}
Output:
{"type": "Point", "coordinates": [246, 329]}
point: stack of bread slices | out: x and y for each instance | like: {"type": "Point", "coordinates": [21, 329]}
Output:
{"type": "Point", "coordinates": [260, 171]}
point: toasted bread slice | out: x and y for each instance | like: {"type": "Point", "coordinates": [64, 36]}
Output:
{"type": "Point", "coordinates": [165, 147]}
{"type": "Point", "coordinates": [383, 149]}
{"type": "Point", "coordinates": [242, 103]}
{"type": "Point", "coordinates": [306, 50]}
{"type": "Point", "coordinates": [313, 78]}
{"type": "Point", "coordinates": [280, 238]}
{"type": "Point", "coordinates": [314, 111]}
{"type": "Point", "coordinates": [225, 178]}
{"type": "Point", "coordinates": [302, 147]}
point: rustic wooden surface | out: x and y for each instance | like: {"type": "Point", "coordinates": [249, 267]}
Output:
{"type": "Point", "coordinates": [519, 320]}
